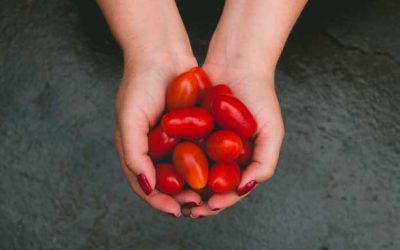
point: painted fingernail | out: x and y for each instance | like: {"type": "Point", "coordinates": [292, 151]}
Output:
{"type": "Point", "coordinates": [246, 188]}
{"type": "Point", "coordinates": [190, 204]}
{"type": "Point", "coordinates": [197, 217]}
{"type": "Point", "coordinates": [215, 209]}
{"type": "Point", "coordinates": [144, 184]}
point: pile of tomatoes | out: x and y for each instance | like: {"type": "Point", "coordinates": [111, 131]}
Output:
{"type": "Point", "coordinates": [204, 139]}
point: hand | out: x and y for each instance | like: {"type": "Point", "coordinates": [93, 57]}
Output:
{"type": "Point", "coordinates": [256, 89]}
{"type": "Point", "coordinates": [139, 105]}
{"type": "Point", "coordinates": [243, 53]}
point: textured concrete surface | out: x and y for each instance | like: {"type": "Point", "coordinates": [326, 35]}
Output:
{"type": "Point", "coordinates": [338, 181]}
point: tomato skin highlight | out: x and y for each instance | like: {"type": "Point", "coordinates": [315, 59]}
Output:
{"type": "Point", "coordinates": [191, 164]}
{"type": "Point", "coordinates": [212, 93]}
{"type": "Point", "coordinates": [246, 153]}
{"type": "Point", "coordinates": [160, 144]}
{"type": "Point", "coordinates": [187, 123]}
{"type": "Point", "coordinates": [224, 177]}
{"type": "Point", "coordinates": [203, 81]}
{"type": "Point", "coordinates": [182, 92]}
{"type": "Point", "coordinates": [224, 146]}
{"type": "Point", "coordinates": [168, 181]}
{"type": "Point", "coordinates": [230, 113]}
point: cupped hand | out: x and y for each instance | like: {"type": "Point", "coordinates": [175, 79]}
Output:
{"type": "Point", "coordinates": [255, 87]}
{"type": "Point", "coordinates": [139, 105]}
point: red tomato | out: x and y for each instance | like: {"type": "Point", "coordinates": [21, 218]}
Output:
{"type": "Point", "coordinates": [246, 154]}
{"type": "Point", "coordinates": [224, 146]}
{"type": "Point", "coordinates": [191, 164]}
{"type": "Point", "coordinates": [230, 113]}
{"type": "Point", "coordinates": [203, 81]}
{"type": "Point", "coordinates": [183, 91]}
{"type": "Point", "coordinates": [224, 177]}
{"type": "Point", "coordinates": [215, 91]}
{"type": "Point", "coordinates": [168, 181]}
{"type": "Point", "coordinates": [187, 123]}
{"type": "Point", "coordinates": [160, 144]}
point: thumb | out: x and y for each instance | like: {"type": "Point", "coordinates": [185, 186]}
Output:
{"type": "Point", "coordinates": [266, 155]}
{"type": "Point", "coordinates": [133, 130]}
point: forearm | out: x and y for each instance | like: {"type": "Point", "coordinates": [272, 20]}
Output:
{"type": "Point", "coordinates": [253, 31]}
{"type": "Point", "coordinates": [143, 27]}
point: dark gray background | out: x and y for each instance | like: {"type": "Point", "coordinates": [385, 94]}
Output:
{"type": "Point", "coordinates": [338, 181]}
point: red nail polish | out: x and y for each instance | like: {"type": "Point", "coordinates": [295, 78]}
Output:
{"type": "Point", "coordinates": [190, 204]}
{"type": "Point", "coordinates": [246, 188]}
{"type": "Point", "coordinates": [199, 217]}
{"type": "Point", "coordinates": [144, 184]}
{"type": "Point", "coordinates": [215, 209]}
{"type": "Point", "coordinates": [171, 214]}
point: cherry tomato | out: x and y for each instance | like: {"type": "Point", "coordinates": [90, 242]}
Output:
{"type": "Point", "coordinates": [191, 164]}
{"type": "Point", "coordinates": [168, 181]}
{"type": "Point", "coordinates": [212, 93]}
{"type": "Point", "coordinates": [224, 146]}
{"type": "Point", "coordinates": [160, 144]}
{"type": "Point", "coordinates": [183, 91]}
{"type": "Point", "coordinates": [224, 177]}
{"type": "Point", "coordinates": [203, 81]}
{"type": "Point", "coordinates": [187, 123]}
{"type": "Point", "coordinates": [246, 153]}
{"type": "Point", "coordinates": [230, 113]}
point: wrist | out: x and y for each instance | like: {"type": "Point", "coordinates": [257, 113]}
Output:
{"type": "Point", "coordinates": [239, 56]}
{"type": "Point", "coordinates": [174, 61]}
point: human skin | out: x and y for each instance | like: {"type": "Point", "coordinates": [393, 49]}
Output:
{"type": "Point", "coordinates": [156, 49]}
{"type": "Point", "coordinates": [243, 54]}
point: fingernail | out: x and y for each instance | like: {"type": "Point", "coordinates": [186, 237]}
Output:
{"type": "Point", "coordinates": [215, 209]}
{"type": "Point", "coordinates": [198, 217]}
{"type": "Point", "coordinates": [190, 204]}
{"type": "Point", "coordinates": [144, 184]}
{"type": "Point", "coordinates": [246, 188]}
{"type": "Point", "coordinates": [173, 215]}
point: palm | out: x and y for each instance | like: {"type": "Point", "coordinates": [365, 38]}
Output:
{"type": "Point", "coordinates": [257, 92]}
{"type": "Point", "coordinates": [140, 103]}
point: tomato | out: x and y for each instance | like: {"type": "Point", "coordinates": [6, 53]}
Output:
{"type": "Point", "coordinates": [212, 93]}
{"type": "Point", "coordinates": [168, 181]}
{"type": "Point", "coordinates": [191, 164]}
{"type": "Point", "coordinates": [187, 123]}
{"type": "Point", "coordinates": [183, 91]}
{"type": "Point", "coordinates": [224, 177]}
{"type": "Point", "coordinates": [203, 81]}
{"type": "Point", "coordinates": [224, 146]}
{"type": "Point", "coordinates": [246, 153]}
{"type": "Point", "coordinates": [160, 144]}
{"type": "Point", "coordinates": [230, 113]}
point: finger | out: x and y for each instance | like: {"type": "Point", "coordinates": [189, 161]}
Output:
{"type": "Point", "coordinates": [188, 198]}
{"type": "Point", "coordinates": [266, 154]}
{"type": "Point", "coordinates": [157, 200]}
{"type": "Point", "coordinates": [202, 211]}
{"type": "Point", "coordinates": [132, 132]}
{"type": "Point", "coordinates": [221, 201]}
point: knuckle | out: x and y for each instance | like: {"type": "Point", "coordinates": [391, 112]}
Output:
{"type": "Point", "coordinates": [281, 131]}
{"type": "Point", "coordinates": [268, 173]}
{"type": "Point", "coordinates": [130, 162]}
